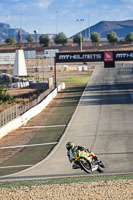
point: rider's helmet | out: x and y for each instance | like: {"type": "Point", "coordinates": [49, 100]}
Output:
{"type": "Point", "coordinates": [70, 145]}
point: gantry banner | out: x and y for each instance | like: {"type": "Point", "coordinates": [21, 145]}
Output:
{"type": "Point", "coordinates": [79, 57]}
{"type": "Point", "coordinates": [106, 56]}
{"type": "Point", "coordinates": [123, 55]}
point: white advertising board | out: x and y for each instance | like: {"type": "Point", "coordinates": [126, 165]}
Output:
{"type": "Point", "coordinates": [7, 58]}
{"type": "Point", "coordinates": [50, 53]}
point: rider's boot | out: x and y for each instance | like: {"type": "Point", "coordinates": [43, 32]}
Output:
{"type": "Point", "coordinates": [75, 166]}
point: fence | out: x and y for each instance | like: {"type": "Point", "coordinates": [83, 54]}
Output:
{"type": "Point", "coordinates": [32, 103]}
{"type": "Point", "coordinates": [15, 111]}
{"type": "Point", "coordinates": [9, 114]}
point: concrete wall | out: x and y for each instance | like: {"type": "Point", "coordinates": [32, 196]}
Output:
{"type": "Point", "coordinates": [12, 125]}
{"type": "Point", "coordinates": [22, 120]}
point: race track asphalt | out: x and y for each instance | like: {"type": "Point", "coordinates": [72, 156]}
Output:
{"type": "Point", "coordinates": [102, 122]}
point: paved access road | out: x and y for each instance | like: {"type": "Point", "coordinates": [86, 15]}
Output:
{"type": "Point", "coordinates": [103, 122]}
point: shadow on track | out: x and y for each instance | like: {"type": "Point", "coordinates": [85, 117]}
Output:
{"type": "Point", "coordinates": [108, 94]}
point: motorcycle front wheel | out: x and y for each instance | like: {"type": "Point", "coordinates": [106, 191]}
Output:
{"type": "Point", "coordinates": [101, 167]}
{"type": "Point", "coordinates": [85, 165]}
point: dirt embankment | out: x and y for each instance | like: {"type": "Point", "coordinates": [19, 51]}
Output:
{"type": "Point", "coordinates": [101, 190]}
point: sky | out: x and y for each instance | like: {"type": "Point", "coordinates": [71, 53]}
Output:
{"type": "Point", "coordinates": [54, 16]}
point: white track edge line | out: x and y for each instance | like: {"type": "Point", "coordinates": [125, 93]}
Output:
{"type": "Point", "coordinates": [28, 145]}
{"type": "Point", "coordinates": [15, 166]}
{"type": "Point", "coordinates": [53, 126]}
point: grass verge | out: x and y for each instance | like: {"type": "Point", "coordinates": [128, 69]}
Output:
{"type": "Point", "coordinates": [65, 180]}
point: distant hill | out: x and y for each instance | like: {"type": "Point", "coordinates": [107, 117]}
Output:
{"type": "Point", "coordinates": [122, 28]}
{"type": "Point", "coordinates": [7, 32]}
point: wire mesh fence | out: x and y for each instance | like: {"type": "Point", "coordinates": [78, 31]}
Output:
{"type": "Point", "coordinates": [9, 114]}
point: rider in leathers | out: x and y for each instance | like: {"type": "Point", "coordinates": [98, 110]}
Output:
{"type": "Point", "coordinates": [73, 147]}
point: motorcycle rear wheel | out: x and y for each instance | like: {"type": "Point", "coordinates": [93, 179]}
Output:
{"type": "Point", "coordinates": [85, 165]}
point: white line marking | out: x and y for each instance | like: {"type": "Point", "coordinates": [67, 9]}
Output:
{"type": "Point", "coordinates": [53, 126]}
{"type": "Point", "coordinates": [17, 166]}
{"type": "Point", "coordinates": [28, 145]}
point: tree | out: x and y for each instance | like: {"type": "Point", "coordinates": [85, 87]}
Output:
{"type": "Point", "coordinates": [60, 38]}
{"type": "Point", "coordinates": [77, 39]}
{"type": "Point", "coordinates": [30, 39]}
{"type": "Point", "coordinates": [44, 40]}
{"type": "Point", "coordinates": [95, 38]}
{"type": "Point", "coordinates": [112, 37]}
{"type": "Point", "coordinates": [129, 38]}
{"type": "Point", "coordinates": [10, 41]}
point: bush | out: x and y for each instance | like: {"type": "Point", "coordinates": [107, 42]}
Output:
{"type": "Point", "coordinates": [112, 37]}
{"type": "Point", "coordinates": [60, 39]}
{"type": "Point", "coordinates": [44, 40]}
{"type": "Point", "coordinates": [30, 39]}
{"type": "Point", "coordinates": [129, 38]}
{"type": "Point", "coordinates": [10, 41]}
{"type": "Point", "coordinates": [77, 39]}
{"type": "Point", "coordinates": [95, 38]}
{"type": "Point", "coordinates": [4, 96]}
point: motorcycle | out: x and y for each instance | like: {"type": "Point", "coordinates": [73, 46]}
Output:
{"type": "Point", "coordinates": [86, 161]}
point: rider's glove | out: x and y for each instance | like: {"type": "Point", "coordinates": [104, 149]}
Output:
{"type": "Point", "coordinates": [88, 150]}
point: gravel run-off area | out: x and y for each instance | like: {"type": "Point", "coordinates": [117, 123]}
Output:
{"type": "Point", "coordinates": [100, 190]}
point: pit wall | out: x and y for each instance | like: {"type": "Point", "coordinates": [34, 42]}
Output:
{"type": "Point", "coordinates": [23, 119]}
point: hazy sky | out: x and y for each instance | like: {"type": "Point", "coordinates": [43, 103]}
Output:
{"type": "Point", "coordinates": [54, 16]}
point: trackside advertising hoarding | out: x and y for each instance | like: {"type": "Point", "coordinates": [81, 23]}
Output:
{"type": "Point", "coordinates": [107, 56]}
